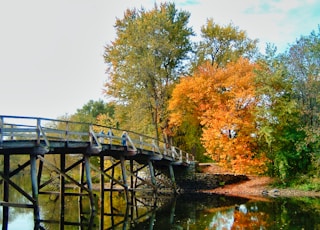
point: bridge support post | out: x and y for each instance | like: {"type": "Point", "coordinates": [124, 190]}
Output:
{"type": "Point", "coordinates": [89, 181]}
{"type": "Point", "coordinates": [132, 186]}
{"type": "Point", "coordinates": [124, 176]}
{"type": "Point", "coordinates": [6, 172]}
{"type": "Point", "coordinates": [173, 180]}
{"type": "Point", "coordinates": [40, 174]}
{"type": "Point", "coordinates": [101, 191]}
{"type": "Point", "coordinates": [62, 188]}
{"type": "Point", "coordinates": [151, 169]}
{"type": "Point", "coordinates": [34, 185]}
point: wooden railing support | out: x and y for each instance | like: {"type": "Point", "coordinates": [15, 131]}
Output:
{"type": "Point", "coordinates": [1, 130]}
{"type": "Point", "coordinates": [38, 131]}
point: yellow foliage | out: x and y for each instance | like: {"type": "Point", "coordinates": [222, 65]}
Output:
{"type": "Point", "coordinates": [223, 101]}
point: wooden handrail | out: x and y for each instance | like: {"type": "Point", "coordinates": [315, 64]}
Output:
{"type": "Point", "coordinates": [46, 129]}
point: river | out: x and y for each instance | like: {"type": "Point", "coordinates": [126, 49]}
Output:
{"type": "Point", "coordinates": [188, 211]}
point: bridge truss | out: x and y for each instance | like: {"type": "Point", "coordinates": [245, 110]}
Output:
{"type": "Point", "coordinates": [67, 158]}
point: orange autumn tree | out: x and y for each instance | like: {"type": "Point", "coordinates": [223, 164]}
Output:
{"type": "Point", "coordinates": [223, 101]}
{"type": "Point", "coordinates": [185, 112]}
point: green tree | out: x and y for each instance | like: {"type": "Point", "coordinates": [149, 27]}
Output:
{"type": "Point", "coordinates": [88, 114]}
{"type": "Point", "coordinates": [146, 59]}
{"type": "Point", "coordinates": [93, 112]}
{"type": "Point", "coordinates": [303, 61]}
{"type": "Point", "coordinates": [90, 111]}
{"type": "Point", "coordinates": [223, 44]}
{"type": "Point", "coordinates": [278, 118]}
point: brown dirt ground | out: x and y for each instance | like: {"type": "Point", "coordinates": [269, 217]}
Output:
{"type": "Point", "coordinates": [257, 187]}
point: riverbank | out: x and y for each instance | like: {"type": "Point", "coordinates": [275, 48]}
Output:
{"type": "Point", "coordinates": [255, 187]}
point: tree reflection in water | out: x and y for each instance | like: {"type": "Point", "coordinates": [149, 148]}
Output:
{"type": "Point", "coordinates": [209, 211]}
{"type": "Point", "coordinates": [190, 211]}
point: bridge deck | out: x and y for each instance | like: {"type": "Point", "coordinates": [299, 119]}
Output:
{"type": "Point", "coordinates": [25, 135]}
{"type": "Point", "coordinates": [27, 147]}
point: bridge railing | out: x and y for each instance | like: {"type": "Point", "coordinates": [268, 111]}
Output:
{"type": "Point", "coordinates": [143, 142]}
{"type": "Point", "coordinates": [49, 130]}
{"type": "Point", "coordinates": [33, 128]}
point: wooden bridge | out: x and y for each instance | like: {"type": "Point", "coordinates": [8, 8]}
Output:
{"type": "Point", "coordinates": [87, 157]}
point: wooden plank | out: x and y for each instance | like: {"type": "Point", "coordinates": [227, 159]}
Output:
{"type": "Point", "coordinates": [16, 205]}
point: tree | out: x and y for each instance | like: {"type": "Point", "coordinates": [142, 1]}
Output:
{"type": "Point", "coordinates": [288, 111]}
{"type": "Point", "coordinates": [277, 116]}
{"type": "Point", "coordinates": [91, 113]}
{"type": "Point", "coordinates": [229, 120]}
{"type": "Point", "coordinates": [223, 100]}
{"type": "Point", "coordinates": [92, 109]}
{"type": "Point", "coordinates": [185, 111]}
{"type": "Point", "coordinates": [303, 62]}
{"type": "Point", "coordinates": [223, 44]}
{"type": "Point", "coordinates": [146, 59]}
{"type": "Point", "coordinates": [219, 46]}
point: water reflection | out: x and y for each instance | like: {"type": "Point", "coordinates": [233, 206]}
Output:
{"type": "Point", "coordinates": [203, 211]}
{"type": "Point", "coordinates": [190, 211]}
{"type": "Point", "coordinates": [20, 220]}
{"type": "Point", "coordinates": [216, 212]}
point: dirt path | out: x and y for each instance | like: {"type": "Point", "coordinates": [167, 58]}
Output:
{"type": "Point", "coordinates": [257, 187]}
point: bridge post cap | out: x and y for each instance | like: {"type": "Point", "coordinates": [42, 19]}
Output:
{"type": "Point", "coordinates": [93, 150]}
{"type": "Point", "coordinates": [39, 150]}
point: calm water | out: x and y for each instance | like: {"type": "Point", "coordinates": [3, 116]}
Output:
{"type": "Point", "coordinates": [146, 211]}
{"type": "Point", "coordinates": [220, 212]}
{"type": "Point", "coordinates": [196, 211]}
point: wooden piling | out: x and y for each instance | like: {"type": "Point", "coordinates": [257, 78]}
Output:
{"type": "Point", "coordinates": [5, 209]}
{"type": "Point", "coordinates": [173, 180]}
{"type": "Point", "coordinates": [34, 185]}
{"type": "Point", "coordinates": [151, 170]}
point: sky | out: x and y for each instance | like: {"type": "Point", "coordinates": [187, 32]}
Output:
{"type": "Point", "coordinates": [51, 51]}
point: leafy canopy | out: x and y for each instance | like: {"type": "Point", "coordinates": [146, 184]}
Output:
{"type": "Point", "coordinates": [147, 58]}
{"type": "Point", "coordinates": [223, 100]}
{"type": "Point", "coordinates": [223, 44]}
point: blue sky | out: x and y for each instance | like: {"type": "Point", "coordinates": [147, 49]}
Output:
{"type": "Point", "coordinates": [51, 50]}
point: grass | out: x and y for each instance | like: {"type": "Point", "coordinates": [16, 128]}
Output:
{"type": "Point", "coordinates": [306, 183]}
{"type": "Point", "coordinates": [301, 182]}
